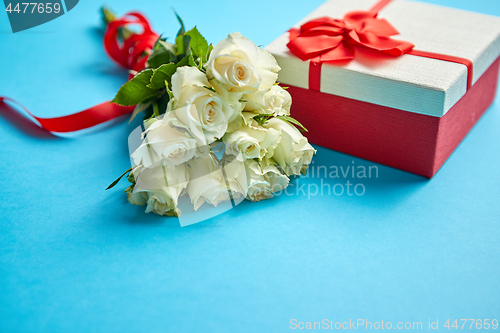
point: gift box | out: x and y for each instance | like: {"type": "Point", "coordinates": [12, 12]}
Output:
{"type": "Point", "coordinates": [398, 82]}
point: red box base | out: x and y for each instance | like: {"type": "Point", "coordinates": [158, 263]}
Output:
{"type": "Point", "coordinates": [404, 140]}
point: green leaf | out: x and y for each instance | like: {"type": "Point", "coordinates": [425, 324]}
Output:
{"type": "Point", "coordinates": [163, 102]}
{"type": "Point", "coordinates": [161, 57]}
{"type": "Point", "coordinates": [156, 112]}
{"type": "Point", "coordinates": [179, 45]}
{"type": "Point", "coordinates": [116, 181]}
{"type": "Point", "coordinates": [148, 113]}
{"type": "Point", "coordinates": [162, 74]}
{"type": "Point", "coordinates": [138, 109]}
{"type": "Point", "coordinates": [131, 178]}
{"type": "Point", "coordinates": [153, 98]}
{"type": "Point", "coordinates": [182, 44]}
{"type": "Point", "coordinates": [136, 90]}
{"type": "Point", "coordinates": [198, 44]}
{"type": "Point", "coordinates": [191, 61]}
{"type": "Point", "coordinates": [182, 30]}
{"type": "Point", "coordinates": [261, 119]}
{"type": "Point", "coordinates": [163, 53]}
{"type": "Point", "coordinates": [210, 48]}
{"type": "Point", "coordinates": [162, 43]}
{"type": "Point", "coordinates": [183, 62]}
{"type": "Point", "coordinates": [169, 92]}
{"type": "Point", "coordinates": [293, 121]}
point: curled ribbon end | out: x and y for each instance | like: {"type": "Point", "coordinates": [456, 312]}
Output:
{"type": "Point", "coordinates": [132, 52]}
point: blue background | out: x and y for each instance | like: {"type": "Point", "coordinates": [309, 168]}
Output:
{"type": "Point", "coordinates": [76, 258]}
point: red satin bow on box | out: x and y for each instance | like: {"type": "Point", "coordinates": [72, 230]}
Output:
{"type": "Point", "coordinates": [326, 39]}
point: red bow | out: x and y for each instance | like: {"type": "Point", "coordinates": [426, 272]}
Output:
{"type": "Point", "coordinates": [327, 39]}
{"type": "Point", "coordinates": [131, 53]}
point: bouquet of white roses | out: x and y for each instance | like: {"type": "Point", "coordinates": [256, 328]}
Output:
{"type": "Point", "coordinates": [216, 125]}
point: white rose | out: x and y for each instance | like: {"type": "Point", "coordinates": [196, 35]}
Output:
{"type": "Point", "coordinates": [163, 185]}
{"type": "Point", "coordinates": [262, 180]}
{"type": "Point", "coordinates": [161, 177]}
{"type": "Point", "coordinates": [163, 142]}
{"type": "Point", "coordinates": [257, 186]}
{"type": "Point", "coordinates": [208, 183]}
{"type": "Point", "coordinates": [273, 176]}
{"type": "Point", "coordinates": [293, 153]}
{"type": "Point", "coordinates": [251, 141]}
{"type": "Point", "coordinates": [162, 203]}
{"type": "Point", "coordinates": [276, 101]}
{"type": "Point", "coordinates": [137, 198]}
{"type": "Point", "coordinates": [237, 65]}
{"type": "Point", "coordinates": [197, 107]}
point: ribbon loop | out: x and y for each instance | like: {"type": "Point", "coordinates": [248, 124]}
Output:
{"type": "Point", "coordinates": [132, 52]}
{"type": "Point", "coordinates": [322, 36]}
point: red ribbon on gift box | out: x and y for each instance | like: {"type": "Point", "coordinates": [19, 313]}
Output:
{"type": "Point", "coordinates": [328, 40]}
{"type": "Point", "coordinates": [131, 54]}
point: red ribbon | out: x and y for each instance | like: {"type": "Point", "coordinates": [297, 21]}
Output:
{"type": "Point", "coordinates": [131, 54]}
{"type": "Point", "coordinates": [328, 40]}
{"type": "Point", "coordinates": [90, 117]}
{"type": "Point", "coordinates": [325, 39]}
